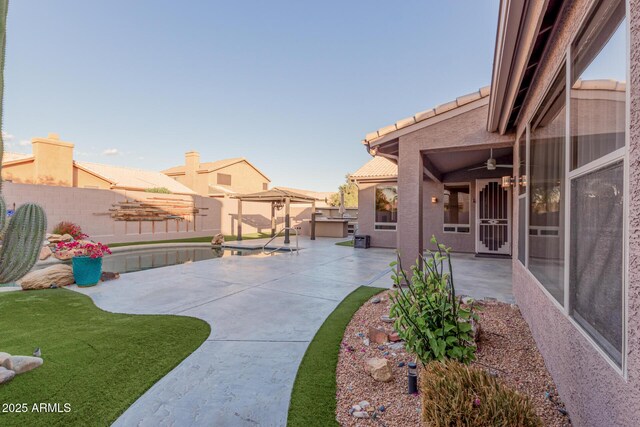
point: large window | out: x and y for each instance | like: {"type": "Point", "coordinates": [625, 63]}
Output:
{"type": "Point", "coordinates": [575, 159]}
{"type": "Point", "coordinates": [456, 208]}
{"type": "Point", "coordinates": [546, 198]}
{"type": "Point", "coordinates": [223, 179]}
{"type": "Point", "coordinates": [386, 205]}
{"type": "Point", "coordinates": [598, 135]}
{"type": "Point", "coordinates": [522, 200]}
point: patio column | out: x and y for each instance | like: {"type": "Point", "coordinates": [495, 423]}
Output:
{"type": "Point", "coordinates": [239, 219]}
{"type": "Point", "coordinates": [273, 219]}
{"type": "Point", "coordinates": [410, 232]}
{"type": "Point", "coordinates": [287, 219]}
{"type": "Point", "coordinates": [313, 220]}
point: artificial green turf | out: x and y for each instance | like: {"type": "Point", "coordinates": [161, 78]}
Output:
{"type": "Point", "coordinates": [205, 239]}
{"type": "Point", "coordinates": [346, 243]}
{"type": "Point", "coordinates": [98, 362]}
{"type": "Point", "coordinates": [313, 399]}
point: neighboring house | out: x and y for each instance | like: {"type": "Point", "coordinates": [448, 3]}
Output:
{"type": "Point", "coordinates": [377, 183]}
{"type": "Point", "coordinates": [220, 178]}
{"type": "Point", "coordinates": [561, 112]}
{"type": "Point", "coordinates": [51, 163]}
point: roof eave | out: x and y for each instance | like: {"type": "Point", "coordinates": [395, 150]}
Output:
{"type": "Point", "coordinates": [393, 135]}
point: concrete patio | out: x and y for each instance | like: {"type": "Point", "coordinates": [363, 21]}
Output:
{"type": "Point", "coordinates": [263, 313]}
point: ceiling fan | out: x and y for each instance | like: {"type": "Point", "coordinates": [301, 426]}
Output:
{"type": "Point", "coordinates": [491, 164]}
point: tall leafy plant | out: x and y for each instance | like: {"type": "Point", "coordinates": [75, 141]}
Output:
{"type": "Point", "coordinates": [22, 235]}
{"type": "Point", "coordinates": [429, 316]}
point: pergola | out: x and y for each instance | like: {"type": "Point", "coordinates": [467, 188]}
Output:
{"type": "Point", "coordinates": [278, 197]}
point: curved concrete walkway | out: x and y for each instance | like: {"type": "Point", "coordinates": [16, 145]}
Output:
{"type": "Point", "coordinates": [263, 313]}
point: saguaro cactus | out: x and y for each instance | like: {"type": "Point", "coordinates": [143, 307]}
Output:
{"type": "Point", "coordinates": [25, 230]}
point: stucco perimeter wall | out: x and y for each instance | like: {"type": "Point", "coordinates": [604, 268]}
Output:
{"type": "Point", "coordinates": [90, 209]}
{"type": "Point", "coordinates": [366, 218]}
{"type": "Point", "coordinates": [595, 394]}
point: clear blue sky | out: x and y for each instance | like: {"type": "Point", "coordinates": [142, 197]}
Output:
{"type": "Point", "coordinates": [292, 85]}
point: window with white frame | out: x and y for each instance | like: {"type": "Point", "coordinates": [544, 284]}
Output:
{"type": "Point", "coordinates": [547, 198]}
{"type": "Point", "coordinates": [522, 199]}
{"type": "Point", "coordinates": [386, 205]}
{"type": "Point", "coordinates": [575, 181]}
{"type": "Point", "coordinates": [597, 179]}
{"type": "Point", "coordinates": [456, 208]}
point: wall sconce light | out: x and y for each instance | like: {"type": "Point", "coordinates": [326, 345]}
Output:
{"type": "Point", "coordinates": [434, 199]}
{"type": "Point", "coordinates": [508, 181]}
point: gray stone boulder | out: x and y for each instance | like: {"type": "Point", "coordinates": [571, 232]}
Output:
{"type": "Point", "coordinates": [6, 375]}
{"type": "Point", "coordinates": [3, 356]}
{"type": "Point", "coordinates": [22, 364]}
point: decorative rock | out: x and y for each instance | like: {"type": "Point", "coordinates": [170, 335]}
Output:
{"type": "Point", "coordinates": [475, 330]}
{"type": "Point", "coordinates": [22, 364]}
{"type": "Point", "coordinates": [382, 408]}
{"type": "Point", "coordinates": [360, 414]}
{"type": "Point", "coordinates": [66, 238]}
{"type": "Point", "coordinates": [63, 255]}
{"type": "Point", "coordinates": [376, 300]}
{"type": "Point", "coordinates": [364, 404]}
{"type": "Point", "coordinates": [45, 253]}
{"type": "Point", "coordinates": [360, 334]}
{"type": "Point", "coordinates": [394, 337]}
{"type": "Point", "coordinates": [351, 411]}
{"type": "Point", "coordinates": [381, 347]}
{"type": "Point", "coordinates": [107, 275]}
{"type": "Point", "coordinates": [218, 240]}
{"type": "Point", "coordinates": [60, 275]}
{"type": "Point", "coordinates": [377, 336]}
{"type": "Point", "coordinates": [387, 319]}
{"type": "Point", "coordinates": [397, 345]}
{"type": "Point", "coordinates": [380, 369]}
{"type": "Point", "coordinates": [366, 342]}
{"type": "Point", "coordinates": [356, 408]}
{"type": "Point", "coordinates": [3, 356]}
{"type": "Point", "coordinates": [6, 375]}
{"type": "Point", "coordinates": [400, 364]}
{"type": "Point", "coordinates": [467, 300]}
{"type": "Point", "coordinates": [386, 353]}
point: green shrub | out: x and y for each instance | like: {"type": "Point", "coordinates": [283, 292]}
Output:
{"type": "Point", "coordinates": [161, 190]}
{"type": "Point", "coordinates": [454, 394]}
{"type": "Point", "coordinates": [429, 317]}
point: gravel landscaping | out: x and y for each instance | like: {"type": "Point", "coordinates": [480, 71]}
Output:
{"type": "Point", "coordinates": [506, 349]}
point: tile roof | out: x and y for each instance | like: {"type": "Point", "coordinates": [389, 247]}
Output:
{"type": "Point", "coordinates": [378, 167]}
{"type": "Point", "coordinates": [602, 84]}
{"type": "Point", "coordinates": [10, 157]}
{"type": "Point", "coordinates": [125, 177]}
{"type": "Point", "coordinates": [427, 114]}
{"type": "Point", "coordinates": [208, 166]}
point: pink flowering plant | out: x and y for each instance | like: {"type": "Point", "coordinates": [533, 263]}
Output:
{"type": "Point", "coordinates": [66, 227]}
{"type": "Point", "coordinates": [84, 248]}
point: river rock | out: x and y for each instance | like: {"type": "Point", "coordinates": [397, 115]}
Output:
{"type": "Point", "coordinates": [6, 375]}
{"type": "Point", "coordinates": [380, 369]}
{"type": "Point", "coordinates": [45, 253]}
{"type": "Point", "coordinates": [361, 414]}
{"type": "Point", "coordinates": [22, 364]}
{"type": "Point", "coordinates": [377, 336]}
{"type": "Point", "coordinates": [58, 275]}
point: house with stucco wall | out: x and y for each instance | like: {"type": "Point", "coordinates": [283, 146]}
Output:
{"type": "Point", "coordinates": [51, 163]}
{"type": "Point", "coordinates": [219, 178]}
{"type": "Point", "coordinates": [545, 168]}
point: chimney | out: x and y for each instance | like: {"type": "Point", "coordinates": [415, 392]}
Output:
{"type": "Point", "coordinates": [53, 161]}
{"type": "Point", "coordinates": [192, 164]}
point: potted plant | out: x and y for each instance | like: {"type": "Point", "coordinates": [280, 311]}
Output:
{"type": "Point", "coordinates": [87, 260]}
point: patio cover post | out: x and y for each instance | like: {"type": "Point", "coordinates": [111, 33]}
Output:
{"type": "Point", "coordinates": [273, 219]}
{"type": "Point", "coordinates": [313, 220]}
{"type": "Point", "coordinates": [287, 219]}
{"type": "Point", "coordinates": [410, 205]}
{"type": "Point", "coordinates": [239, 219]}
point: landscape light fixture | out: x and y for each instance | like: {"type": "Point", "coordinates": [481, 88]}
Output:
{"type": "Point", "coordinates": [412, 378]}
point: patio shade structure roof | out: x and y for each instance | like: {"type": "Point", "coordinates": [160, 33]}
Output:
{"type": "Point", "coordinates": [277, 196]}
